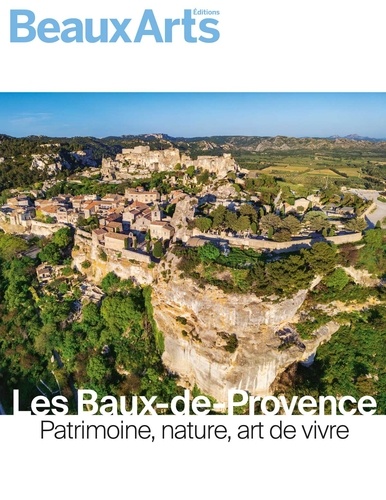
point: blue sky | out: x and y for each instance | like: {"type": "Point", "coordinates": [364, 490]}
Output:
{"type": "Point", "coordinates": [193, 114]}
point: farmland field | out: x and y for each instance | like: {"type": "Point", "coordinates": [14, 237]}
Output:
{"type": "Point", "coordinates": [284, 168]}
{"type": "Point", "coordinates": [315, 170]}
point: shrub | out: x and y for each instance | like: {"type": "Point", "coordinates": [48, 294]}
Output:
{"type": "Point", "coordinates": [102, 255]}
{"type": "Point", "coordinates": [208, 252]}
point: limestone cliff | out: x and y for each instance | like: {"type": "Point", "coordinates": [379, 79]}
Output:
{"type": "Point", "coordinates": [221, 341]}
{"type": "Point", "coordinates": [183, 214]}
{"type": "Point", "coordinates": [214, 340]}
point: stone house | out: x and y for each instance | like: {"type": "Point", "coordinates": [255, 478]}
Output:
{"type": "Point", "coordinates": [161, 230]}
{"type": "Point", "coordinates": [114, 227]}
{"type": "Point", "coordinates": [117, 241]}
{"type": "Point", "coordinates": [98, 236]}
{"type": "Point", "coordinates": [44, 273]}
{"type": "Point", "coordinates": [19, 201]}
{"type": "Point", "coordinates": [139, 194]}
{"type": "Point", "coordinates": [302, 204]}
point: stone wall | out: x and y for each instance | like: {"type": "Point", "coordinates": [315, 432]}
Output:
{"type": "Point", "coordinates": [260, 243]}
{"type": "Point", "coordinates": [33, 227]}
{"type": "Point", "coordinates": [345, 238]}
{"type": "Point", "coordinates": [137, 256]}
{"type": "Point", "coordinates": [129, 265]}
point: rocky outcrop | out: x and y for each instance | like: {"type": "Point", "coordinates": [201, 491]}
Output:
{"type": "Point", "coordinates": [362, 277]}
{"type": "Point", "coordinates": [142, 162]}
{"type": "Point", "coordinates": [84, 158]}
{"type": "Point", "coordinates": [220, 193]}
{"type": "Point", "coordinates": [220, 341]}
{"type": "Point", "coordinates": [219, 165]}
{"type": "Point", "coordinates": [51, 164]}
{"type": "Point", "coordinates": [183, 213]}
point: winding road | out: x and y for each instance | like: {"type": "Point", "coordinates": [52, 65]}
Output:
{"type": "Point", "coordinates": [379, 213]}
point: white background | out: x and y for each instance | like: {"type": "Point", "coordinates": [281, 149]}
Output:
{"type": "Point", "coordinates": [264, 46]}
{"type": "Point", "coordinates": [275, 45]}
{"type": "Point", "coordinates": [269, 469]}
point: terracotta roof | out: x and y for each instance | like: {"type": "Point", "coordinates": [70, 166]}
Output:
{"type": "Point", "coordinates": [99, 231]}
{"type": "Point", "coordinates": [139, 204]}
{"type": "Point", "coordinates": [135, 211]}
{"type": "Point", "coordinates": [113, 216]}
{"type": "Point", "coordinates": [51, 209]}
{"type": "Point", "coordinates": [113, 197]}
{"type": "Point", "coordinates": [159, 223]}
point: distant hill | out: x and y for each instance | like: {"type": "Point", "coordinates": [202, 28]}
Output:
{"type": "Point", "coordinates": [239, 143]}
{"type": "Point", "coordinates": [206, 144]}
{"type": "Point", "coordinates": [20, 156]}
{"type": "Point", "coordinates": [356, 137]}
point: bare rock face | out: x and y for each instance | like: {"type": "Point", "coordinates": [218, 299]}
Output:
{"type": "Point", "coordinates": [141, 161]}
{"type": "Point", "coordinates": [362, 277]}
{"type": "Point", "coordinates": [222, 341]}
{"type": "Point", "coordinates": [222, 192]}
{"type": "Point", "coordinates": [220, 165]}
{"type": "Point", "coordinates": [85, 158]}
{"type": "Point", "coordinates": [183, 213]}
{"type": "Point", "coordinates": [52, 164]}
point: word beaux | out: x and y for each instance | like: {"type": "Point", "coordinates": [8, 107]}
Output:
{"type": "Point", "coordinates": [25, 28]}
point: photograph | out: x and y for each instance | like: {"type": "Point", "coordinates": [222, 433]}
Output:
{"type": "Point", "coordinates": [193, 252]}
{"type": "Point", "coordinates": [192, 249]}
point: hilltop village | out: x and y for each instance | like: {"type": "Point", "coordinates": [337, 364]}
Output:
{"type": "Point", "coordinates": [199, 262]}
{"type": "Point", "coordinates": [140, 224]}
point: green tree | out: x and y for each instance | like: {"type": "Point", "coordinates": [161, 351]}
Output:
{"type": "Point", "coordinates": [110, 282]}
{"type": "Point", "coordinates": [243, 223]}
{"type": "Point", "coordinates": [372, 255]}
{"type": "Point", "coordinates": [203, 223]}
{"type": "Point", "coordinates": [203, 178]}
{"type": "Point", "coordinates": [288, 275]}
{"type": "Point", "coordinates": [63, 237]}
{"type": "Point", "coordinates": [231, 220]}
{"type": "Point", "coordinates": [190, 171]}
{"type": "Point", "coordinates": [292, 224]}
{"type": "Point", "coordinates": [11, 245]}
{"type": "Point", "coordinates": [282, 235]}
{"type": "Point", "coordinates": [317, 221]}
{"type": "Point", "coordinates": [322, 258]}
{"type": "Point", "coordinates": [51, 253]}
{"type": "Point", "coordinates": [270, 221]}
{"type": "Point", "coordinates": [97, 370]}
{"type": "Point", "coordinates": [218, 216]}
{"type": "Point", "coordinates": [338, 279]}
{"type": "Point", "coordinates": [158, 250]}
{"type": "Point", "coordinates": [208, 252]}
{"type": "Point", "coordinates": [119, 312]}
{"type": "Point", "coordinates": [249, 211]}
{"type": "Point", "coordinates": [358, 225]}
{"type": "Point", "coordinates": [91, 314]}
